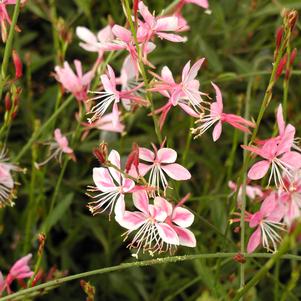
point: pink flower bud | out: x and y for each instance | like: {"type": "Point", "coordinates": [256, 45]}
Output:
{"type": "Point", "coordinates": [133, 159]}
{"type": "Point", "coordinates": [293, 56]}
{"type": "Point", "coordinates": [281, 66]}
{"type": "Point", "coordinates": [18, 64]}
{"type": "Point", "coordinates": [279, 34]}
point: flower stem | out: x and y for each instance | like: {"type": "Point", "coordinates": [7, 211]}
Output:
{"type": "Point", "coordinates": [8, 46]}
{"type": "Point", "coordinates": [142, 69]}
{"type": "Point", "coordinates": [37, 133]}
{"type": "Point", "coordinates": [123, 266]}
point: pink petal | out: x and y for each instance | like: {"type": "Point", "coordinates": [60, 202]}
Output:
{"type": "Point", "coordinates": [103, 179]}
{"type": "Point", "coordinates": [193, 72]}
{"type": "Point", "coordinates": [172, 37]}
{"type": "Point", "coordinates": [185, 71]}
{"type": "Point", "coordinates": [163, 204]}
{"type": "Point", "coordinates": [127, 184]}
{"type": "Point", "coordinates": [146, 154]}
{"type": "Point", "coordinates": [167, 24]}
{"type": "Point", "coordinates": [167, 234]}
{"type": "Point", "coordinates": [167, 75]}
{"type": "Point", "coordinates": [217, 131]}
{"type": "Point", "coordinates": [166, 155]}
{"type": "Point", "coordinates": [182, 217]}
{"type": "Point", "coordinates": [122, 33]}
{"type": "Point", "coordinates": [147, 16]}
{"type": "Point", "coordinates": [176, 172]}
{"type": "Point", "coordinates": [131, 220]}
{"type": "Point", "coordinates": [86, 35]}
{"type": "Point", "coordinates": [140, 200]}
{"type": "Point", "coordinates": [201, 3]}
{"type": "Point", "coordinates": [269, 204]}
{"type": "Point", "coordinates": [144, 168]}
{"type": "Point", "coordinates": [119, 206]}
{"type": "Point", "coordinates": [114, 158]}
{"type": "Point", "coordinates": [188, 110]}
{"type": "Point", "coordinates": [293, 159]}
{"type": "Point", "coordinates": [259, 170]}
{"type": "Point", "coordinates": [105, 34]}
{"type": "Point", "coordinates": [219, 98]}
{"type": "Point", "coordinates": [186, 237]}
{"type": "Point", "coordinates": [254, 240]}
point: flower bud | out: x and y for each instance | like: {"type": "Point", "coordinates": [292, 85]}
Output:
{"type": "Point", "coordinates": [7, 102]}
{"type": "Point", "coordinates": [101, 153]}
{"type": "Point", "coordinates": [293, 56]}
{"type": "Point", "coordinates": [18, 64]}
{"type": "Point", "coordinates": [133, 158]}
{"type": "Point", "coordinates": [279, 35]}
{"type": "Point", "coordinates": [281, 66]}
{"type": "Point", "coordinates": [292, 18]}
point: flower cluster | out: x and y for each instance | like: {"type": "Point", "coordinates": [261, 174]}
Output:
{"type": "Point", "coordinates": [281, 159]}
{"type": "Point", "coordinates": [159, 226]}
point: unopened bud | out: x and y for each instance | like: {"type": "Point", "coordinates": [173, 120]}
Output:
{"type": "Point", "coordinates": [281, 66]}
{"type": "Point", "coordinates": [133, 159]}
{"type": "Point", "coordinates": [293, 56]}
{"type": "Point", "coordinates": [37, 278]}
{"type": "Point", "coordinates": [41, 240]}
{"type": "Point", "coordinates": [101, 153]}
{"type": "Point", "coordinates": [279, 34]}
{"type": "Point", "coordinates": [89, 289]}
{"type": "Point", "coordinates": [292, 18]}
{"type": "Point", "coordinates": [18, 64]}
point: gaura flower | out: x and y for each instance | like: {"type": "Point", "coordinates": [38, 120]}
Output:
{"type": "Point", "coordinates": [277, 154]}
{"type": "Point", "coordinates": [179, 219]}
{"type": "Point", "coordinates": [153, 234]}
{"type": "Point", "coordinates": [58, 147]}
{"type": "Point", "coordinates": [6, 180]}
{"type": "Point", "coordinates": [77, 84]}
{"type": "Point", "coordinates": [159, 26]}
{"type": "Point", "coordinates": [111, 95]}
{"type": "Point", "coordinates": [267, 223]}
{"type": "Point", "coordinates": [217, 117]}
{"type": "Point", "coordinates": [95, 42]}
{"type": "Point", "coordinates": [290, 197]}
{"type": "Point", "coordinates": [186, 94]}
{"type": "Point", "coordinates": [110, 187]}
{"type": "Point", "coordinates": [159, 163]}
{"type": "Point", "coordinates": [20, 270]}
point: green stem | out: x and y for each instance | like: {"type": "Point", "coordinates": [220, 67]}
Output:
{"type": "Point", "coordinates": [36, 134]}
{"type": "Point", "coordinates": [8, 46]}
{"type": "Point", "coordinates": [142, 69]}
{"type": "Point", "coordinates": [123, 266]}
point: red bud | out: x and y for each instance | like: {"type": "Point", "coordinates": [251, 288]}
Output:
{"type": "Point", "coordinates": [7, 102]}
{"type": "Point", "coordinates": [239, 258]}
{"type": "Point", "coordinates": [18, 64]}
{"type": "Point", "coordinates": [101, 153]}
{"type": "Point", "coordinates": [281, 66]}
{"type": "Point", "coordinates": [279, 34]}
{"type": "Point", "coordinates": [133, 158]}
{"type": "Point", "coordinates": [293, 56]}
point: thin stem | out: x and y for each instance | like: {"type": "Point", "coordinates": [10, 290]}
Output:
{"type": "Point", "coordinates": [8, 46]}
{"type": "Point", "coordinates": [142, 69]}
{"type": "Point", "coordinates": [123, 266]}
{"type": "Point", "coordinates": [37, 133]}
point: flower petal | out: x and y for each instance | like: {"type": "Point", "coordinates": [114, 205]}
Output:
{"type": "Point", "coordinates": [167, 234]}
{"type": "Point", "coordinates": [166, 155]}
{"type": "Point", "coordinates": [176, 171]}
{"type": "Point", "coordinates": [186, 237]}
{"type": "Point", "coordinates": [146, 154]}
{"type": "Point", "coordinates": [163, 204]}
{"type": "Point", "coordinates": [254, 240]}
{"type": "Point", "coordinates": [217, 131]}
{"type": "Point", "coordinates": [182, 217]}
{"type": "Point", "coordinates": [141, 202]}
{"type": "Point", "coordinates": [259, 170]}
{"type": "Point", "coordinates": [131, 220]}
{"type": "Point", "coordinates": [103, 179]}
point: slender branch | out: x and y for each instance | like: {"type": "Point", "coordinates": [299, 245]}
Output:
{"type": "Point", "coordinates": [123, 266]}
{"type": "Point", "coordinates": [37, 133]}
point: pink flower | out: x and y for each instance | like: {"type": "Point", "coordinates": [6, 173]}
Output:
{"type": "Point", "coordinates": [125, 41]}
{"type": "Point", "coordinates": [160, 26]}
{"type": "Point", "coordinates": [110, 186]}
{"type": "Point", "coordinates": [217, 117]}
{"type": "Point", "coordinates": [251, 191]}
{"type": "Point", "coordinates": [201, 3]}
{"type": "Point", "coordinates": [290, 197]}
{"type": "Point", "coordinates": [20, 270]}
{"type": "Point", "coordinates": [186, 94]}
{"type": "Point", "coordinates": [153, 234]}
{"type": "Point", "coordinates": [159, 163]}
{"type": "Point", "coordinates": [95, 43]}
{"type": "Point", "coordinates": [277, 154]}
{"type": "Point", "coordinates": [111, 95]}
{"type": "Point", "coordinates": [58, 147]}
{"type": "Point", "coordinates": [105, 123]}
{"type": "Point", "coordinates": [77, 84]}
{"type": "Point", "coordinates": [6, 180]}
{"type": "Point", "coordinates": [267, 222]}
{"type": "Point", "coordinates": [179, 219]}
